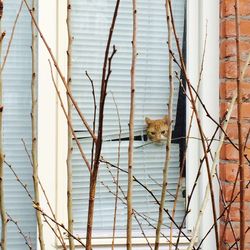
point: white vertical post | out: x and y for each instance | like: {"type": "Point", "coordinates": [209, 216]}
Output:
{"type": "Point", "coordinates": [209, 93]}
{"type": "Point", "coordinates": [202, 17]}
{"type": "Point", "coordinates": [47, 113]}
{"type": "Point", "coordinates": [62, 128]}
{"type": "Point", "coordinates": [192, 62]}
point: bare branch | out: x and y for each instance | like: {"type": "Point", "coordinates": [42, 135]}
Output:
{"type": "Point", "coordinates": [93, 177]}
{"type": "Point", "coordinates": [11, 37]}
{"type": "Point", "coordinates": [169, 134]}
{"type": "Point", "coordinates": [26, 238]}
{"type": "Point", "coordinates": [60, 225]}
{"type": "Point", "coordinates": [69, 122]}
{"type": "Point", "coordinates": [94, 116]}
{"type": "Point", "coordinates": [70, 142]}
{"type": "Point", "coordinates": [183, 67]}
{"type": "Point", "coordinates": [42, 188]}
{"type": "Point", "coordinates": [2, 202]}
{"type": "Point", "coordinates": [131, 130]}
{"type": "Point", "coordinates": [60, 72]}
{"type": "Point", "coordinates": [213, 169]}
{"type": "Point", "coordinates": [239, 123]}
{"type": "Point", "coordinates": [34, 118]}
{"type": "Point", "coordinates": [117, 173]}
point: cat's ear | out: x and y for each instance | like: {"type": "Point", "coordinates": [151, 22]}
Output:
{"type": "Point", "coordinates": [166, 119]}
{"type": "Point", "coordinates": [148, 121]}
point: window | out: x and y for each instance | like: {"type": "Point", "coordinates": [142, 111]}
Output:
{"type": "Point", "coordinates": [90, 22]}
{"type": "Point", "coordinates": [151, 99]}
{"type": "Point", "coordinates": [17, 123]}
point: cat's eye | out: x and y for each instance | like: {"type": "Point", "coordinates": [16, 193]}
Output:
{"type": "Point", "coordinates": [163, 132]}
{"type": "Point", "coordinates": [152, 133]}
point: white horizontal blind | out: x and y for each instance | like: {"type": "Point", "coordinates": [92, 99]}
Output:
{"type": "Point", "coordinates": [148, 162]}
{"type": "Point", "coordinates": [17, 125]}
{"type": "Point", "coordinates": [91, 21]}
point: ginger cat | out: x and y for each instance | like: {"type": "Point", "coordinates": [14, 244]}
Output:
{"type": "Point", "coordinates": [157, 130]}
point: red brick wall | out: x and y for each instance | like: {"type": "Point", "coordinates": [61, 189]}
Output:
{"type": "Point", "coordinates": [229, 155]}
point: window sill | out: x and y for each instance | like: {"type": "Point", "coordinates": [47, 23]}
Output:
{"type": "Point", "coordinates": [102, 241]}
{"type": "Point", "coordinates": [135, 241]}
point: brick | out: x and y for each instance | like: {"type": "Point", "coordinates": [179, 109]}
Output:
{"type": "Point", "coordinates": [228, 73]}
{"type": "Point", "coordinates": [245, 108]}
{"type": "Point", "coordinates": [228, 69]}
{"type": "Point", "coordinates": [229, 152]}
{"type": "Point", "coordinates": [228, 172]}
{"type": "Point", "coordinates": [228, 88]}
{"type": "Point", "coordinates": [226, 247]}
{"type": "Point", "coordinates": [232, 131]}
{"type": "Point", "coordinates": [229, 237]}
{"type": "Point", "coordinates": [228, 49]}
{"type": "Point", "coordinates": [227, 8]}
{"type": "Point", "coordinates": [227, 190]}
{"type": "Point", "coordinates": [227, 28]}
{"type": "Point", "coordinates": [235, 212]}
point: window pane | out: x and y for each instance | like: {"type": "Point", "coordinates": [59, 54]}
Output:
{"type": "Point", "coordinates": [17, 124]}
{"type": "Point", "coordinates": [91, 21]}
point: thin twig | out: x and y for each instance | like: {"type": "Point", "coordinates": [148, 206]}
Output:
{"type": "Point", "coordinates": [225, 205]}
{"type": "Point", "coordinates": [2, 201]}
{"type": "Point", "coordinates": [55, 232]}
{"type": "Point", "coordinates": [143, 233]}
{"type": "Point", "coordinates": [198, 123]}
{"type": "Point", "coordinates": [239, 123]}
{"type": "Point", "coordinates": [60, 236]}
{"type": "Point", "coordinates": [246, 65]}
{"type": "Point", "coordinates": [37, 206]}
{"type": "Point", "coordinates": [60, 225]}
{"type": "Point", "coordinates": [117, 173]}
{"type": "Point", "coordinates": [213, 169]}
{"type": "Point", "coordinates": [190, 196]}
{"type": "Point", "coordinates": [151, 193]}
{"type": "Point", "coordinates": [43, 190]}
{"type": "Point", "coordinates": [34, 119]}
{"type": "Point", "coordinates": [60, 72]}
{"type": "Point", "coordinates": [131, 129]}
{"type": "Point", "coordinates": [26, 238]}
{"type": "Point", "coordinates": [70, 141]}
{"type": "Point", "coordinates": [218, 219]}
{"type": "Point", "coordinates": [11, 37]}
{"type": "Point", "coordinates": [169, 134]}
{"type": "Point", "coordinates": [103, 93]}
{"type": "Point", "coordinates": [239, 239]}
{"type": "Point", "coordinates": [188, 137]}
{"type": "Point", "coordinates": [123, 200]}
{"type": "Point", "coordinates": [246, 140]}
{"type": "Point", "coordinates": [94, 116]}
{"type": "Point", "coordinates": [68, 121]}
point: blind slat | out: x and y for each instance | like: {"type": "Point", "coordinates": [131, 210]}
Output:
{"type": "Point", "coordinates": [17, 125]}
{"type": "Point", "coordinates": [90, 24]}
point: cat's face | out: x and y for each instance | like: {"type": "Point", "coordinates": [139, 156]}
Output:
{"type": "Point", "coordinates": [157, 130]}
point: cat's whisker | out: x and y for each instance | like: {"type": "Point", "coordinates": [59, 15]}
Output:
{"type": "Point", "coordinates": [145, 144]}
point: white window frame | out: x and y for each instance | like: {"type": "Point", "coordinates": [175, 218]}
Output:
{"type": "Point", "coordinates": [52, 126]}
{"type": "Point", "coordinates": [202, 22]}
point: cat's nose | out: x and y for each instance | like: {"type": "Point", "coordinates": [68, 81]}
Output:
{"type": "Point", "coordinates": [158, 138]}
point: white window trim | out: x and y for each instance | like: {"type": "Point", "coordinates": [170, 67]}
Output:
{"type": "Point", "coordinates": [47, 114]}
{"type": "Point", "coordinates": [202, 18]}
{"type": "Point", "coordinates": [52, 125]}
